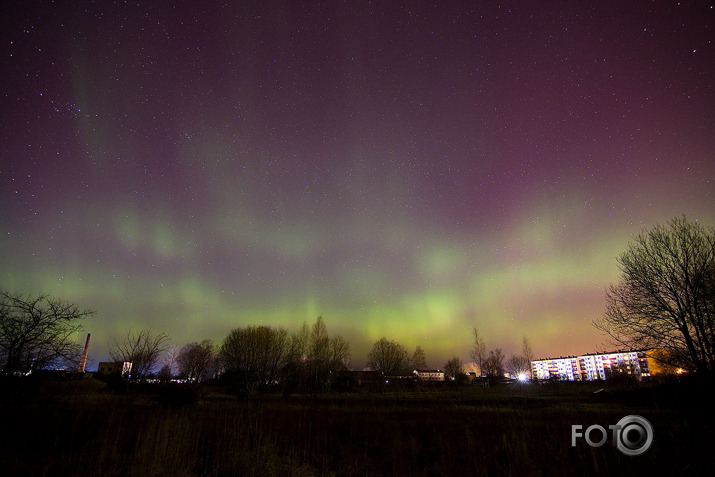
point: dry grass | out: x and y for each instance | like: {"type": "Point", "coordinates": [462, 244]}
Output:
{"type": "Point", "coordinates": [79, 428]}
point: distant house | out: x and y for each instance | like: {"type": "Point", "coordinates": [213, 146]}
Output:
{"type": "Point", "coordinates": [116, 368]}
{"type": "Point", "coordinates": [589, 367]}
{"type": "Point", "coordinates": [429, 374]}
{"type": "Point", "coordinates": [471, 377]}
{"type": "Point", "coordinates": [475, 380]}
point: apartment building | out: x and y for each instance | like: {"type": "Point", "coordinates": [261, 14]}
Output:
{"type": "Point", "coordinates": [589, 367]}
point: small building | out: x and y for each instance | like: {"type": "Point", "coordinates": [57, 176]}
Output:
{"type": "Point", "coordinates": [429, 374]}
{"type": "Point", "coordinates": [115, 368]}
{"type": "Point", "coordinates": [475, 379]}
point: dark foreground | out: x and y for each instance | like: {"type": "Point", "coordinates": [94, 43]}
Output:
{"type": "Point", "coordinates": [80, 427]}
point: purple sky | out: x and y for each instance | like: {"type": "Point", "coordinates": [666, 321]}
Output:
{"type": "Point", "coordinates": [409, 172]}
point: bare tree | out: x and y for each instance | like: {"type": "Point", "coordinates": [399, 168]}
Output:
{"type": "Point", "coordinates": [453, 369]}
{"type": "Point", "coordinates": [518, 365]}
{"type": "Point", "coordinates": [527, 354]}
{"type": "Point", "coordinates": [254, 357]}
{"type": "Point", "coordinates": [169, 361]}
{"type": "Point", "coordinates": [494, 364]}
{"type": "Point", "coordinates": [418, 360]}
{"type": "Point", "coordinates": [299, 343]}
{"type": "Point", "coordinates": [319, 344]}
{"type": "Point", "coordinates": [339, 354]}
{"type": "Point", "coordinates": [295, 372]}
{"type": "Point", "coordinates": [165, 374]}
{"type": "Point", "coordinates": [142, 349]}
{"type": "Point", "coordinates": [197, 361]}
{"type": "Point", "coordinates": [37, 332]}
{"type": "Point", "coordinates": [666, 295]}
{"type": "Point", "coordinates": [479, 352]}
{"type": "Point", "coordinates": [168, 366]}
{"type": "Point", "coordinates": [388, 357]}
{"type": "Point", "coordinates": [326, 356]}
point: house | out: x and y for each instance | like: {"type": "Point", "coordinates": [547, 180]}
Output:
{"type": "Point", "coordinates": [116, 368]}
{"type": "Point", "coordinates": [475, 379]}
{"type": "Point", "coordinates": [429, 374]}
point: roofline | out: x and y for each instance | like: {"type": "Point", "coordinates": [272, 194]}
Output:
{"type": "Point", "coordinates": [595, 354]}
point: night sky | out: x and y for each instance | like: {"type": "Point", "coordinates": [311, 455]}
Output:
{"type": "Point", "coordinates": [403, 171]}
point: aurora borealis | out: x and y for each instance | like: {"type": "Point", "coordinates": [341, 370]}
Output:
{"type": "Point", "coordinates": [404, 171]}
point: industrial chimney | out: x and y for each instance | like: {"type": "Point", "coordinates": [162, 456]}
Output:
{"type": "Point", "coordinates": [83, 359]}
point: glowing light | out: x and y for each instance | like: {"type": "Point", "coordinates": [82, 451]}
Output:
{"type": "Point", "coordinates": [522, 377]}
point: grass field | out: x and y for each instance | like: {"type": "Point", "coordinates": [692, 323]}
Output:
{"type": "Point", "coordinates": [83, 427]}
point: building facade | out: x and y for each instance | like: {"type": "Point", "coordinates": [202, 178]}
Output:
{"type": "Point", "coordinates": [429, 374]}
{"type": "Point", "coordinates": [589, 367]}
{"type": "Point", "coordinates": [117, 368]}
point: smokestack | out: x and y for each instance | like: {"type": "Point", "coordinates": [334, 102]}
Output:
{"type": "Point", "coordinates": [83, 359]}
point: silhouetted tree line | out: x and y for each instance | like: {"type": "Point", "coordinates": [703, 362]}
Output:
{"type": "Point", "coordinates": [259, 359]}
{"type": "Point", "coordinates": [665, 300]}
{"type": "Point", "coordinates": [494, 363]}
